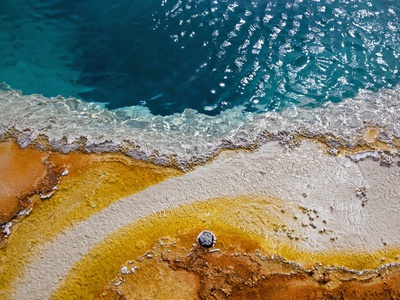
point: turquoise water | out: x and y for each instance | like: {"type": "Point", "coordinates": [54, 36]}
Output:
{"type": "Point", "coordinates": [205, 55]}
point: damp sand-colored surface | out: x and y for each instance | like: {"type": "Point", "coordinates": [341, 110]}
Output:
{"type": "Point", "coordinates": [312, 223]}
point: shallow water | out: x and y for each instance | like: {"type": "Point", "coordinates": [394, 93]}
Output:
{"type": "Point", "coordinates": [205, 55]}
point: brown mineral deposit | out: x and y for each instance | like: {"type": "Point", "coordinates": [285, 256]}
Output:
{"type": "Point", "coordinates": [234, 274]}
{"type": "Point", "coordinates": [23, 172]}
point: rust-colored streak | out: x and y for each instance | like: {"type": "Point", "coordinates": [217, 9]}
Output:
{"type": "Point", "coordinates": [234, 274]}
{"type": "Point", "coordinates": [62, 189]}
{"type": "Point", "coordinates": [23, 173]}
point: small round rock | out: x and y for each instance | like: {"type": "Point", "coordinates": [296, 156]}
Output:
{"type": "Point", "coordinates": [206, 239]}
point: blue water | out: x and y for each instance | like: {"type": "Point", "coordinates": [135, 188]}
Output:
{"type": "Point", "coordinates": [206, 55]}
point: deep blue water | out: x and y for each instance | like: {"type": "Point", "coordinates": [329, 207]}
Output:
{"type": "Point", "coordinates": [208, 55]}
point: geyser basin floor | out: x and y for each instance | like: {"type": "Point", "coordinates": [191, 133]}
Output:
{"type": "Point", "coordinates": [297, 202]}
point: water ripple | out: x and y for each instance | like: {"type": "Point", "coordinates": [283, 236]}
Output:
{"type": "Point", "coordinates": [171, 55]}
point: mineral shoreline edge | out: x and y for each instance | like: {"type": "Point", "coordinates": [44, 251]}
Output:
{"type": "Point", "coordinates": [319, 206]}
{"type": "Point", "coordinates": [68, 124]}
